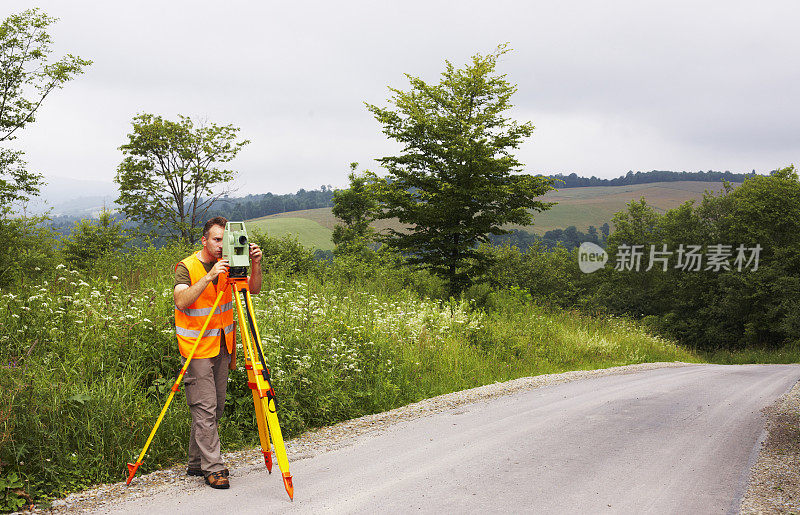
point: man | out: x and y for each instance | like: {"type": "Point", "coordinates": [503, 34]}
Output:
{"type": "Point", "coordinates": [198, 280]}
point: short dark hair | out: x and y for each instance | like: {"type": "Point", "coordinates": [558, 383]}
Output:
{"type": "Point", "coordinates": [217, 220]}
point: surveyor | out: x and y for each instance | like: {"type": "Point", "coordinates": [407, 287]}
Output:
{"type": "Point", "coordinates": [198, 279]}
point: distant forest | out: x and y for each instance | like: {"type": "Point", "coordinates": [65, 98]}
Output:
{"type": "Point", "coordinates": [574, 181]}
{"type": "Point", "coordinates": [256, 206]}
{"type": "Point", "coordinates": [568, 238]}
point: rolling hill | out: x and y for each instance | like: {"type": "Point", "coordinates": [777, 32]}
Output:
{"type": "Point", "coordinates": [309, 232]}
{"type": "Point", "coordinates": [581, 207]}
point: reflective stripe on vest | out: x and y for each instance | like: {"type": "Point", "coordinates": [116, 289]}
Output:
{"type": "Point", "coordinates": [203, 312]}
{"type": "Point", "coordinates": [191, 333]}
{"type": "Point", "coordinates": [189, 321]}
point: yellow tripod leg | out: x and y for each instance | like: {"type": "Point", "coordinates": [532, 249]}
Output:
{"type": "Point", "coordinates": [261, 420]}
{"type": "Point", "coordinates": [133, 467]}
{"type": "Point", "coordinates": [265, 390]}
{"type": "Point", "coordinates": [271, 410]}
{"type": "Point", "coordinates": [263, 431]}
{"type": "Point", "coordinates": [277, 439]}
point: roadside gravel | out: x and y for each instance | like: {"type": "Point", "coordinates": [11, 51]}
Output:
{"type": "Point", "coordinates": [322, 440]}
{"type": "Point", "coordinates": [318, 441]}
{"type": "Point", "coordinates": [774, 485]}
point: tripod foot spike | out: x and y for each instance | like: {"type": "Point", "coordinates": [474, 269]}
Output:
{"type": "Point", "coordinates": [132, 468]}
{"type": "Point", "coordinates": [287, 483]}
{"type": "Point", "coordinates": [268, 460]}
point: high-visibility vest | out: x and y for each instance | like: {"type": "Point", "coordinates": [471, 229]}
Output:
{"type": "Point", "coordinates": [189, 321]}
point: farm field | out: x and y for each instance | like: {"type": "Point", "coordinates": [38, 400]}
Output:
{"type": "Point", "coordinates": [308, 231]}
{"type": "Point", "coordinates": [596, 205]}
{"type": "Point", "coordinates": [581, 207]}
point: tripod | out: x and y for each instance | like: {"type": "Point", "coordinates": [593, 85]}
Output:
{"type": "Point", "coordinates": [258, 379]}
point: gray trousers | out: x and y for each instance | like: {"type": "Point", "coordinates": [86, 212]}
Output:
{"type": "Point", "coordinates": [206, 381]}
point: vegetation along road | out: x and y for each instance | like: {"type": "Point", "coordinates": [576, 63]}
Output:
{"type": "Point", "coordinates": [679, 439]}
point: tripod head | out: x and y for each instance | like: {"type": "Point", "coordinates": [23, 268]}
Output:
{"type": "Point", "coordinates": [236, 249]}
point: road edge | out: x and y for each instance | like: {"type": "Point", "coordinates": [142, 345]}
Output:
{"type": "Point", "coordinates": [325, 439]}
{"type": "Point", "coordinates": [773, 485]}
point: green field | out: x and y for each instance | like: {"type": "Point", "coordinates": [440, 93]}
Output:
{"type": "Point", "coordinates": [581, 207]}
{"type": "Point", "coordinates": [596, 205]}
{"type": "Point", "coordinates": [322, 216]}
{"type": "Point", "coordinates": [309, 232]}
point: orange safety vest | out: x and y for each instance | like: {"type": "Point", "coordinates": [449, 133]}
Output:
{"type": "Point", "coordinates": [189, 321]}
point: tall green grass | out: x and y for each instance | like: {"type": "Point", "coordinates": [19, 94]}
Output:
{"type": "Point", "coordinates": [786, 355]}
{"type": "Point", "coordinates": [87, 359]}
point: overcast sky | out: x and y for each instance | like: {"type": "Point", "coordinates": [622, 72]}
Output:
{"type": "Point", "coordinates": [610, 86]}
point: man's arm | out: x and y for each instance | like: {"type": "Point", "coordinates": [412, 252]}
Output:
{"type": "Point", "coordinates": [185, 295]}
{"type": "Point", "coordinates": [254, 282]}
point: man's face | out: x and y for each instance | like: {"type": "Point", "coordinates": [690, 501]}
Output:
{"type": "Point", "coordinates": [213, 242]}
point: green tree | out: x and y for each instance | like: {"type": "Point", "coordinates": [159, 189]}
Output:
{"type": "Point", "coordinates": [17, 184]}
{"type": "Point", "coordinates": [170, 175]}
{"type": "Point", "coordinates": [456, 180]}
{"type": "Point", "coordinates": [29, 250]}
{"type": "Point", "coordinates": [356, 207]}
{"type": "Point", "coordinates": [636, 225]}
{"type": "Point", "coordinates": [605, 229]}
{"type": "Point", "coordinates": [633, 289]}
{"type": "Point", "coordinates": [591, 233]}
{"type": "Point", "coordinates": [740, 305]}
{"type": "Point", "coordinates": [90, 240]}
{"type": "Point", "coordinates": [27, 77]}
{"type": "Point", "coordinates": [760, 307]}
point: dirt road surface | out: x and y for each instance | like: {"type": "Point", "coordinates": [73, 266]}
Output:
{"type": "Point", "coordinates": [668, 440]}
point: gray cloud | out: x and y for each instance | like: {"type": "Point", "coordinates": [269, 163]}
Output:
{"type": "Point", "coordinates": [611, 86]}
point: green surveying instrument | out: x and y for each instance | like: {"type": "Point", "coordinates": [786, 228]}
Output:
{"type": "Point", "coordinates": [236, 249]}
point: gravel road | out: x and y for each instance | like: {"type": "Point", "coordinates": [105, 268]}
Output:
{"type": "Point", "coordinates": [630, 440]}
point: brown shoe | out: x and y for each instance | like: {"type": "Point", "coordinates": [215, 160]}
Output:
{"type": "Point", "coordinates": [197, 471]}
{"type": "Point", "coordinates": [217, 480]}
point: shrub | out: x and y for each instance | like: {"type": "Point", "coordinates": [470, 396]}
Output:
{"type": "Point", "coordinates": [90, 240]}
{"type": "Point", "coordinates": [28, 252]}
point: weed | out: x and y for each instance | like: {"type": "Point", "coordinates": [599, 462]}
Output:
{"type": "Point", "coordinates": [88, 357]}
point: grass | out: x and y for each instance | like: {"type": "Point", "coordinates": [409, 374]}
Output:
{"type": "Point", "coordinates": [595, 205]}
{"type": "Point", "coordinates": [323, 216]}
{"type": "Point", "coordinates": [358, 351]}
{"type": "Point", "coordinates": [87, 359]}
{"type": "Point", "coordinates": [308, 232]}
{"type": "Point", "coordinates": [786, 355]}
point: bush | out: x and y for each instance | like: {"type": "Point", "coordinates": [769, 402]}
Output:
{"type": "Point", "coordinates": [285, 254]}
{"type": "Point", "coordinates": [90, 240]}
{"type": "Point", "coordinates": [29, 249]}
{"type": "Point", "coordinates": [12, 495]}
{"type": "Point", "coordinates": [550, 276]}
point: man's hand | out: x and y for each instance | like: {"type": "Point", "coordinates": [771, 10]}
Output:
{"type": "Point", "coordinates": [220, 266]}
{"type": "Point", "coordinates": [185, 295]}
{"type": "Point", "coordinates": [255, 254]}
{"type": "Point", "coordinates": [255, 269]}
